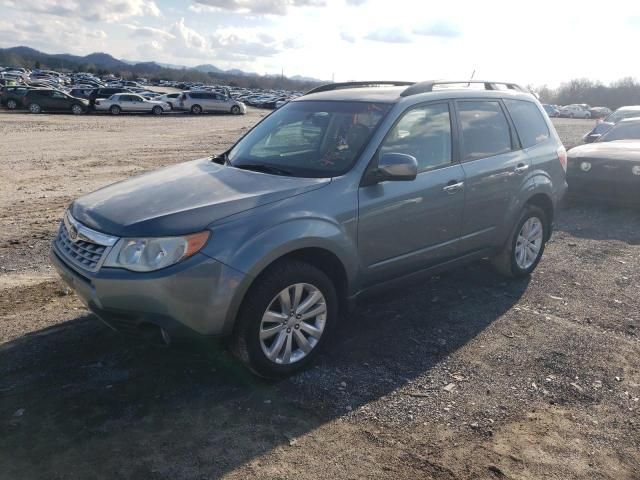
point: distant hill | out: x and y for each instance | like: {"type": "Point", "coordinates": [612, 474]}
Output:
{"type": "Point", "coordinates": [100, 62]}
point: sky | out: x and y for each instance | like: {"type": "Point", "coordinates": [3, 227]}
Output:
{"type": "Point", "coordinates": [542, 42]}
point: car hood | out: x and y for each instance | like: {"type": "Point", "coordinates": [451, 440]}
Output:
{"type": "Point", "coordinates": [183, 198]}
{"type": "Point", "coordinates": [617, 150]}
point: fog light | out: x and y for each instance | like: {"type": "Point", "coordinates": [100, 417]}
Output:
{"type": "Point", "coordinates": [585, 166]}
{"type": "Point", "coordinates": [636, 170]}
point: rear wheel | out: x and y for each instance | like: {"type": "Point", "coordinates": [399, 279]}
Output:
{"type": "Point", "coordinates": [196, 109]}
{"type": "Point", "coordinates": [77, 109]}
{"type": "Point", "coordinates": [115, 110]}
{"type": "Point", "coordinates": [35, 108]}
{"type": "Point", "coordinates": [235, 110]}
{"type": "Point", "coordinates": [285, 319]}
{"type": "Point", "coordinates": [12, 104]}
{"type": "Point", "coordinates": [157, 110]}
{"type": "Point", "coordinates": [526, 245]}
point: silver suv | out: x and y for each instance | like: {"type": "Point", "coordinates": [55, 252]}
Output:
{"type": "Point", "coordinates": [338, 192]}
{"type": "Point", "coordinates": [205, 101]}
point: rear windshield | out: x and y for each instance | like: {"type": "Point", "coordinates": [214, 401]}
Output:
{"type": "Point", "coordinates": [310, 138]}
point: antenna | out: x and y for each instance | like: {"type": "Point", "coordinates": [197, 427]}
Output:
{"type": "Point", "coordinates": [473, 74]}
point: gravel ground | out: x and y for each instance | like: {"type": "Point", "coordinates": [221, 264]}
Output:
{"type": "Point", "coordinates": [459, 376]}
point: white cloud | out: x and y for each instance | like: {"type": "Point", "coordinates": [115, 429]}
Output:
{"type": "Point", "coordinates": [89, 10]}
{"type": "Point", "coordinates": [254, 7]}
{"type": "Point", "coordinates": [390, 35]}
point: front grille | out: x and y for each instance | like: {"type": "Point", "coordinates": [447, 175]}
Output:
{"type": "Point", "coordinates": [81, 253]}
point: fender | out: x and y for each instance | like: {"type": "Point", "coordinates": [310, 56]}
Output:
{"type": "Point", "coordinates": [261, 249]}
{"type": "Point", "coordinates": [538, 182]}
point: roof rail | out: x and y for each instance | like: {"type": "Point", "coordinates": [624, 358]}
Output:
{"type": "Point", "coordinates": [339, 86]}
{"type": "Point", "coordinates": [424, 87]}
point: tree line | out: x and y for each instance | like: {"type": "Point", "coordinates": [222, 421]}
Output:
{"type": "Point", "coordinates": [625, 91]}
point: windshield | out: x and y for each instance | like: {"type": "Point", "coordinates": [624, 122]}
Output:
{"type": "Point", "coordinates": [310, 139]}
{"type": "Point", "coordinates": [622, 131]}
{"type": "Point", "coordinates": [615, 117]}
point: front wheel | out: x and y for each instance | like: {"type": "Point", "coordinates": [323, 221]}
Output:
{"type": "Point", "coordinates": [157, 110]}
{"type": "Point", "coordinates": [285, 319]}
{"type": "Point", "coordinates": [35, 108]}
{"type": "Point", "coordinates": [235, 110]}
{"type": "Point", "coordinates": [77, 109]}
{"type": "Point", "coordinates": [526, 245]}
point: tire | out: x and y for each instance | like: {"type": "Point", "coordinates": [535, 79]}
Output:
{"type": "Point", "coordinates": [115, 110]}
{"type": "Point", "coordinates": [235, 110]}
{"type": "Point", "coordinates": [196, 109]}
{"type": "Point", "coordinates": [157, 110]}
{"type": "Point", "coordinates": [12, 104]}
{"type": "Point", "coordinates": [510, 262]}
{"type": "Point", "coordinates": [35, 108]}
{"type": "Point", "coordinates": [256, 316]}
{"type": "Point", "coordinates": [77, 109]}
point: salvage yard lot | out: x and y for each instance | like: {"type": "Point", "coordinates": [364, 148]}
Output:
{"type": "Point", "coordinates": [462, 375]}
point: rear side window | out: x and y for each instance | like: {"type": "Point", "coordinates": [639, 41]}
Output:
{"type": "Point", "coordinates": [529, 122]}
{"type": "Point", "coordinates": [196, 95]}
{"type": "Point", "coordinates": [485, 130]}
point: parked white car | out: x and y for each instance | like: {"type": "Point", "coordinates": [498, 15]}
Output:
{"type": "Point", "coordinates": [171, 98]}
{"type": "Point", "coordinates": [202, 101]}
{"type": "Point", "coordinates": [574, 111]}
{"type": "Point", "coordinates": [129, 102]}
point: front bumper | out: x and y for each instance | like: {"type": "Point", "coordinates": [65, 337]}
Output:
{"type": "Point", "coordinates": [603, 190]}
{"type": "Point", "coordinates": [191, 297]}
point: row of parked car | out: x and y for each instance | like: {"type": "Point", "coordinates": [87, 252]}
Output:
{"type": "Point", "coordinates": [577, 110]}
{"type": "Point", "coordinates": [116, 101]}
{"type": "Point", "coordinates": [195, 97]}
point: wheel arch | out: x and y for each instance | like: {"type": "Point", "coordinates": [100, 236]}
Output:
{"type": "Point", "coordinates": [544, 202]}
{"type": "Point", "coordinates": [308, 242]}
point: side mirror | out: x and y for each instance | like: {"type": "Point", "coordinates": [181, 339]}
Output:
{"type": "Point", "coordinates": [396, 167]}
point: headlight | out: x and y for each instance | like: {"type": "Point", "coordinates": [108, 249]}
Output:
{"type": "Point", "coordinates": [636, 170]}
{"type": "Point", "coordinates": [149, 254]}
{"type": "Point", "coordinates": [585, 166]}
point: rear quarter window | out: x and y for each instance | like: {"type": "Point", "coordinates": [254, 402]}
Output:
{"type": "Point", "coordinates": [529, 122]}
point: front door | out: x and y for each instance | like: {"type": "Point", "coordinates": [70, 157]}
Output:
{"type": "Point", "coordinates": [408, 226]}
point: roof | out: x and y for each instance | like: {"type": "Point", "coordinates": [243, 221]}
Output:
{"type": "Point", "coordinates": [630, 107]}
{"type": "Point", "coordinates": [630, 120]}
{"type": "Point", "coordinates": [393, 92]}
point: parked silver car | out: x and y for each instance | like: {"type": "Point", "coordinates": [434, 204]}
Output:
{"type": "Point", "coordinates": [198, 102]}
{"type": "Point", "coordinates": [130, 102]}
{"type": "Point", "coordinates": [333, 195]}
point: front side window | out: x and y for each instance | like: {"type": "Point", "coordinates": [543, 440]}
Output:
{"type": "Point", "coordinates": [310, 138]}
{"type": "Point", "coordinates": [424, 133]}
{"type": "Point", "coordinates": [528, 121]}
{"type": "Point", "coordinates": [485, 130]}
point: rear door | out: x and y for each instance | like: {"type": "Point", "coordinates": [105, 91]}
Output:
{"type": "Point", "coordinates": [125, 102]}
{"type": "Point", "coordinates": [408, 226]}
{"type": "Point", "coordinates": [495, 168]}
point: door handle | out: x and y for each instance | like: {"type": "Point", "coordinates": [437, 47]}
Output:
{"type": "Point", "coordinates": [521, 168]}
{"type": "Point", "coordinates": [453, 187]}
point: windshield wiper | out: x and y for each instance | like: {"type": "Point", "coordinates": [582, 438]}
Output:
{"type": "Point", "coordinates": [259, 167]}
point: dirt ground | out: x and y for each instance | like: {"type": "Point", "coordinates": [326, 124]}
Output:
{"type": "Point", "coordinates": [460, 376]}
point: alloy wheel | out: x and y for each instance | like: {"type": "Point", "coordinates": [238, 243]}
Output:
{"type": "Point", "coordinates": [293, 323]}
{"type": "Point", "coordinates": [529, 243]}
